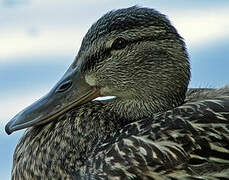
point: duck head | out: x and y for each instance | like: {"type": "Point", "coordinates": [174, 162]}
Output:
{"type": "Point", "coordinates": [134, 54]}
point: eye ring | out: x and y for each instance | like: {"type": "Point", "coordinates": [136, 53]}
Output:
{"type": "Point", "coordinates": [119, 43]}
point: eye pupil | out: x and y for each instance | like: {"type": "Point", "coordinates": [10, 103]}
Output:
{"type": "Point", "coordinates": [119, 43]}
{"type": "Point", "coordinates": [63, 87]}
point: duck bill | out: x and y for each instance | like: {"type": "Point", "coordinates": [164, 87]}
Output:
{"type": "Point", "coordinates": [71, 91]}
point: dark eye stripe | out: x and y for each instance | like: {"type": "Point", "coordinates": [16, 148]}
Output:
{"type": "Point", "coordinates": [90, 62]}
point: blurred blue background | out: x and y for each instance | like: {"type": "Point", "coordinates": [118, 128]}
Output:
{"type": "Point", "coordinates": [40, 38]}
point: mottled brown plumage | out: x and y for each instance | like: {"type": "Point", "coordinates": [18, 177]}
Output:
{"type": "Point", "coordinates": [153, 129]}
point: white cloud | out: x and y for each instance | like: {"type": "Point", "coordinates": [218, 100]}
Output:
{"type": "Point", "coordinates": [50, 41]}
{"type": "Point", "coordinates": [199, 28]}
{"type": "Point", "coordinates": [43, 29]}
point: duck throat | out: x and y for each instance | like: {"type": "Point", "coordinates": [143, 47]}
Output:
{"type": "Point", "coordinates": [135, 109]}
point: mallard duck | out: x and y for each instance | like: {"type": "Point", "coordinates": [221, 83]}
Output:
{"type": "Point", "coordinates": [154, 128]}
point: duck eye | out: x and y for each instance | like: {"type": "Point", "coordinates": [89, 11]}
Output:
{"type": "Point", "coordinates": [119, 43]}
{"type": "Point", "coordinates": [65, 86]}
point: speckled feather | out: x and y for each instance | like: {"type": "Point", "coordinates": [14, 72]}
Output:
{"type": "Point", "coordinates": [187, 142]}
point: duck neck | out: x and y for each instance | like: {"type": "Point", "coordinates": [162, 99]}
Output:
{"type": "Point", "coordinates": [134, 109]}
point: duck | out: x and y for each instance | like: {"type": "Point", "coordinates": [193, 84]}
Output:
{"type": "Point", "coordinates": [154, 127]}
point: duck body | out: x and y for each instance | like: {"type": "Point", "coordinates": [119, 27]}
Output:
{"type": "Point", "coordinates": [154, 128]}
{"type": "Point", "coordinates": [185, 142]}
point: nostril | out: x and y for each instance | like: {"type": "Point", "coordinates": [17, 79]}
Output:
{"type": "Point", "coordinates": [65, 86]}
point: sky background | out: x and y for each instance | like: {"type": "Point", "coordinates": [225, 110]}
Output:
{"type": "Point", "coordinates": [40, 38]}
